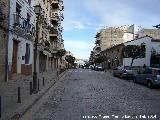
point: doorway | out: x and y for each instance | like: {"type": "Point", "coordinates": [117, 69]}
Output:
{"type": "Point", "coordinates": [14, 57]}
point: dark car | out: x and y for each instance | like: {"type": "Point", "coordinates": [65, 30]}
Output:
{"type": "Point", "coordinates": [86, 67]}
{"type": "Point", "coordinates": [99, 68]}
{"type": "Point", "coordinates": [148, 76]}
{"type": "Point", "coordinates": [124, 72]}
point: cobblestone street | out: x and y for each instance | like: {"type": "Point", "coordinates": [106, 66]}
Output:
{"type": "Point", "coordinates": [87, 94]}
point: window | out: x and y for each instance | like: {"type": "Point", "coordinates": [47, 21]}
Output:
{"type": "Point", "coordinates": [27, 55]}
{"type": "Point", "coordinates": [18, 9]}
{"type": "Point", "coordinates": [18, 13]}
{"type": "Point", "coordinates": [28, 17]}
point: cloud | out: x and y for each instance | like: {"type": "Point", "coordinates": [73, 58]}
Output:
{"type": "Point", "coordinates": [126, 12]}
{"type": "Point", "coordinates": [80, 49]}
{"type": "Point", "coordinates": [77, 44]}
{"type": "Point", "coordinates": [73, 24]}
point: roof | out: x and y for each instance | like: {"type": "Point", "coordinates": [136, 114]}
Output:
{"type": "Point", "coordinates": [138, 38]}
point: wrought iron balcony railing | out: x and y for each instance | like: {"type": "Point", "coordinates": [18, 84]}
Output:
{"type": "Point", "coordinates": [24, 24]}
{"type": "Point", "coordinates": [55, 16]}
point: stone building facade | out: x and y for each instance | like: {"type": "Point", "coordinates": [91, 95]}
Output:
{"type": "Point", "coordinates": [111, 36]}
{"type": "Point", "coordinates": [113, 56]}
{"type": "Point", "coordinates": [154, 33]}
{"type": "Point", "coordinates": [50, 34]}
{"type": "Point", "coordinates": [3, 38]}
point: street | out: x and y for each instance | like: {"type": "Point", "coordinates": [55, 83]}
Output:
{"type": "Point", "coordinates": [87, 94]}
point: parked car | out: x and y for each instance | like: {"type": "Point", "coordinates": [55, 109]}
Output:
{"type": "Point", "coordinates": [124, 71]}
{"type": "Point", "coordinates": [148, 76]}
{"type": "Point", "coordinates": [99, 68]}
{"type": "Point", "coordinates": [86, 67]}
{"type": "Point", "coordinates": [91, 67]}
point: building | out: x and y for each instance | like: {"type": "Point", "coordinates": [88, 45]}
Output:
{"type": "Point", "coordinates": [107, 38]}
{"type": "Point", "coordinates": [111, 36]}
{"type": "Point", "coordinates": [50, 35]}
{"type": "Point", "coordinates": [113, 56]}
{"type": "Point", "coordinates": [154, 33]}
{"type": "Point", "coordinates": [150, 45]}
{"type": "Point", "coordinates": [21, 37]}
{"type": "Point", "coordinates": [55, 35]}
{"type": "Point", "coordinates": [43, 46]}
{"type": "Point", "coordinates": [3, 38]}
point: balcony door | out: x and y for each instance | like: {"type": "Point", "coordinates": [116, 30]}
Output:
{"type": "Point", "coordinates": [14, 57]}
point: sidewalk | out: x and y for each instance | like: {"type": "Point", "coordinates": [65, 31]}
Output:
{"type": "Point", "coordinates": [9, 94]}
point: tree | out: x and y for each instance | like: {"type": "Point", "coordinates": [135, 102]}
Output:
{"type": "Point", "coordinates": [134, 52]}
{"type": "Point", "coordinates": [99, 59]}
{"type": "Point", "coordinates": [61, 52]}
{"type": "Point", "coordinates": [70, 59]}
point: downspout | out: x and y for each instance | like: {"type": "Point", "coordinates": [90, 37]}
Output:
{"type": "Point", "coordinates": [6, 69]}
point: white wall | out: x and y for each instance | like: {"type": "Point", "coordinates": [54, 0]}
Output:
{"type": "Point", "coordinates": [140, 61]}
{"type": "Point", "coordinates": [22, 41]}
{"type": "Point", "coordinates": [127, 37]}
{"type": "Point", "coordinates": [156, 46]}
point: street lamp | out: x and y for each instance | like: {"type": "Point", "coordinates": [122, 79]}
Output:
{"type": "Point", "coordinates": [37, 10]}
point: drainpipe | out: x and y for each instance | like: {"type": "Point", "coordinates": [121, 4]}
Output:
{"type": "Point", "coordinates": [6, 66]}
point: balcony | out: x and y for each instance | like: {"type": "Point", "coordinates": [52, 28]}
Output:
{"type": "Point", "coordinates": [55, 4]}
{"type": "Point", "coordinates": [54, 49]}
{"type": "Point", "coordinates": [55, 16]}
{"type": "Point", "coordinates": [98, 41]}
{"type": "Point", "coordinates": [62, 17]}
{"type": "Point", "coordinates": [23, 27]}
{"type": "Point", "coordinates": [97, 47]}
{"type": "Point", "coordinates": [53, 32]}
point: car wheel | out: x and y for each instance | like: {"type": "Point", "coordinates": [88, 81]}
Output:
{"type": "Point", "coordinates": [134, 80]}
{"type": "Point", "coordinates": [149, 84]}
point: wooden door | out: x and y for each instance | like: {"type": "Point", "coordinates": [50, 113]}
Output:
{"type": "Point", "coordinates": [14, 57]}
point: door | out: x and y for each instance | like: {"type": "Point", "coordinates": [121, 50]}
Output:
{"type": "Point", "coordinates": [14, 57]}
{"type": "Point", "coordinates": [42, 62]}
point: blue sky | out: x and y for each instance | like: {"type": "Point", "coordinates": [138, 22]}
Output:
{"type": "Point", "coordinates": [83, 19]}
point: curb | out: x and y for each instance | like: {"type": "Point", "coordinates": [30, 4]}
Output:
{"type": "Point", "coordinates": [20, 115]}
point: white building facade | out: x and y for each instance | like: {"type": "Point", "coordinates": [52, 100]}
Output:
{"type": "Point", "coordinates": [21, 37]}
{"type": "Point", "coordinates": [150, 44]}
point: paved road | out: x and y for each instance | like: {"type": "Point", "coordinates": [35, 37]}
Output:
{"type": "Point", "coordinates": [87, 94]}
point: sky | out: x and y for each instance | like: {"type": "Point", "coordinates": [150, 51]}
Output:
{"type": "Point", "coordinates": [84, 18]}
